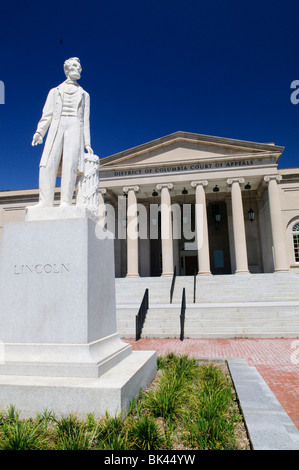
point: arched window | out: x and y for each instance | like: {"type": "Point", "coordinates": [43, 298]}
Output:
{"type": "Point", "coordinates": [295, 233]}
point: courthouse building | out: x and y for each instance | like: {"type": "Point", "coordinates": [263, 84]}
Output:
{"type": "Point", "coordinates": [233, 209]}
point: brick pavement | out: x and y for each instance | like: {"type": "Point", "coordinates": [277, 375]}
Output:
{"type": "Point", "coordinates": [277, 360]}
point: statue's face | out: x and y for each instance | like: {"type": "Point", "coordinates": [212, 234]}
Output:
{"type": "Point", "coordinates": [74, 70]}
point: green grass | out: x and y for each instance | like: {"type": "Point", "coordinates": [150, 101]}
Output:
{"type": "Point", "coordinates": [210, 420]}
{"type": "Point", "coordinates": [188, 406]}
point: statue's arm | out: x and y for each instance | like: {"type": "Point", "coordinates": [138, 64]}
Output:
{"type": "Point", "coordinates": [87, 124]}
{"type": "Point", "coordinates": [45, 120]}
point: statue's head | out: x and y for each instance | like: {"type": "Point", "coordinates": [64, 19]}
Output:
{"type": "Point", "coordinates": [72, 68]}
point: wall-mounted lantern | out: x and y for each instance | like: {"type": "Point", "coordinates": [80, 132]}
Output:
{"type": "Point", "coordinates": [217, 214]}
{"type": "Point", "coordinates": [251, 211]}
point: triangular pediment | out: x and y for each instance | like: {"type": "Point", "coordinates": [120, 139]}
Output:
{"type": "Point", "coordinates": [183, 147]}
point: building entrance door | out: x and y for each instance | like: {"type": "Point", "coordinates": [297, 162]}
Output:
{"type": "Point", "coordinates": [218, 239]}
{"type": "Point", "coordinates": [190, 265]}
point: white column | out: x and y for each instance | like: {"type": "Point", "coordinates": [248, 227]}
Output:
{"type": "Point", "coordinates": [166, 229]}
{"type": "Point", "coordinates": [238, 226]}
{"type": "Point", "coordinates": [202, 235]}
{"type": "Point", "coordinates": [132, 232]}
{"type": "Point", "coordinates": [281, 263]}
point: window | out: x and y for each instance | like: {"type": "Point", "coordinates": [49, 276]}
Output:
{"type": "Point", "coordinates": [295, 232]}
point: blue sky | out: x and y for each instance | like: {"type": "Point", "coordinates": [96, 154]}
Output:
{"type": "Point", "coordinates": [221, 68]}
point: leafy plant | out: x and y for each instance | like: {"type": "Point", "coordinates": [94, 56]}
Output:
{"type": "Point", "coordinates": [81, 439]}
{"type": "Point", "coordinates": [209, 422]}
{"type": "Point", "coordinates": [111, 433]}
{"type": "Point", "coordinates": [145, 434]}
{"type": "Point", "coordinates": [73, 434]}
{"type": "Point", "coordinates": [22, 435]}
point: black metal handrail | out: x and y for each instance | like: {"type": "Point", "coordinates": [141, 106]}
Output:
{"type": "Point", "coordinates": [172, 284]}
{"type": "Point", "coordinates": [182, 315]}
{"type": "Point", "coordinates": [140, 317]}
{"type": "Point", "coordinates": [194, 285]}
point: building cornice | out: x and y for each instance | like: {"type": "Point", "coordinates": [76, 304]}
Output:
{"type": "Point", "coordinates": [187, 137]}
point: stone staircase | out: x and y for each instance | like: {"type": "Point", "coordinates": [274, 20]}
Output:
{"type": "Point", "coordinates": [228, 306]}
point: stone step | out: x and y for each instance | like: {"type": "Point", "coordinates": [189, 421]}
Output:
{"type": "Point", "coordinates": [265, 305]}
{"type": "Point", "coordinates": [223, 334]}
{"type": "Point", "coordinates": [223, 288]}
{"type": "Point", "coordinates": [175, 328]}
{"type": "Point", "coordinates": [291, 316]}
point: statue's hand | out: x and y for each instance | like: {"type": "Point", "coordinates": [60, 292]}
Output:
{"type": "Point", "coordinates": [89, 149]}
{"type": "Point", "coordinates": [37, 139]}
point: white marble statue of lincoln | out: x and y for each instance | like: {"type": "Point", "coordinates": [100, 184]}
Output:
{"type": "Point", "coordinates": [66, 115]}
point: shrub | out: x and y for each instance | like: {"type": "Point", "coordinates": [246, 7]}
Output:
{"type": "Point", "coordinates": [209, 421]}
{"type": "Point", "coordinates": [145, 434]}
{"type": "Point", "coordinates": [23, 435]}
{"type": "Point", "coordinates": [71, 434]}
{"type": "Point", "coordinates": [111, 433]}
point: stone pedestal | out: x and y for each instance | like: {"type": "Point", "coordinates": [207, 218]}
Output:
{"type": "Point", "coordinates": [58, 320]}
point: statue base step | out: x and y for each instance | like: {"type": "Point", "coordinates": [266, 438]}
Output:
{"type": "Point", "coordinates": [60, 212]}
{"type": "Point", "coordinates": [63, 360]}
{"type": "Point", "coordinates": [112, 392]}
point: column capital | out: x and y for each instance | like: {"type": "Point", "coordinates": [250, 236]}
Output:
{"type": "Point", "coordinates": [230, 181]}
{"type": "Point", "coordinates": [102, 190]}
{"type": "Point", "coordinates": [126, 189]}
{"type": "Point", "coordinates": [268, 178]}
{"type": "Point", "coordinates": [199, 183]}
{"type": "Point", "coordinates": [165, 185]}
